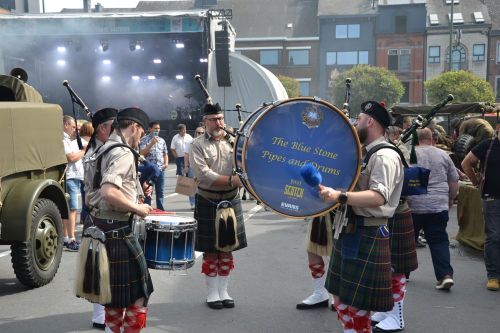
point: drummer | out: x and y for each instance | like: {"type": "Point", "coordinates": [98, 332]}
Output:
{"type": "Point", "coordinates": [218, 207]}
{"type": "Point", "coordinates": [359, 275]}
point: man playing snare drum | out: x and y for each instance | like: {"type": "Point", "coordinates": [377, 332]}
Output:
{"type": "Point", "coordinates": [218, 207]}
{"type": "Point", "coordinates": [359, 275]}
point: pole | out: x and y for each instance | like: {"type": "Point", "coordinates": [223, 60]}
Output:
{"type": "Point", "coordinates": [451, 36]}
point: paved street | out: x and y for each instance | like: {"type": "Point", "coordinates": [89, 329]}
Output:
{"type": "Point", "coordinates": [270, 277]}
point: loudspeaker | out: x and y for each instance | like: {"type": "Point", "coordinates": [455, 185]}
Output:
{"type": "Point", "coordinates": [222, 58]}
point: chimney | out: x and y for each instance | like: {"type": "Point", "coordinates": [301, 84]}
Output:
{"type": "Point", "coordinates": [98, 8]}
{"type": "Point", "coordinates": [86, 6]}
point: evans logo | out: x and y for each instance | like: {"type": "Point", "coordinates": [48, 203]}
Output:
{"type": "Point", "coordinates": [290, 206]}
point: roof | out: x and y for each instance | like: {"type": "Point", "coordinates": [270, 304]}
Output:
{"type": "Point", "coordinates": [155, 6]}
{"type": "Point", "coordinates": [466, 7]}
{"type": "Point", "coordinates": [400, 2]}
{"type": "Point", "coordinates": [346, 8]}
{"type": "Point", "coordinates": [494, 11]}
{"type": "Point", "coordinates": [274, 17]}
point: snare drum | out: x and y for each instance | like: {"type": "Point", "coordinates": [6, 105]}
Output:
{"type": "Point", "coordinates": [169, 242]}
{"type": "Point", "coordinates": [278, 139]}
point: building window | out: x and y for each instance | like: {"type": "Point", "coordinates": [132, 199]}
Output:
{"type": "Point", "coordinates": [498, 52]}
{"type": "Point", "coordinates": [269, 57]}
{"type": "Point", "coordinates": [399, 60]}
{"type": "Point", "coordinates": [434, 54]}
{"type": "Point", "coordinates": [304, 88]}
{"type": "Point", "coordinates": [458, 58]}
{"type": "Point", "coordinates": [498, 86]}
{"type": "Point", "coordinates": [400, 24]}
{"type": "Point", "coordinates": [347, 58]}
{"type": "Point", "coordinates": [347, 31]}
{"type": "Point", "coordinates": [478, 52]}
{"type": "Point", "coordinates": [406, 95]}
{"type": "Point", "coordinates": [298, 57]}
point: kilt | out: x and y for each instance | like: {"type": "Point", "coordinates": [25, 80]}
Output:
{"type": "Point", "coordinates": [125, 275]}
{"type": "Point", "coordinates": [363, 282]}
{"type": "Point", "coordinates": [315, 248]}
{"type": "Point", "coordinates": [204, 214]}
{"type": "Point", "coordinates": [402, 238]}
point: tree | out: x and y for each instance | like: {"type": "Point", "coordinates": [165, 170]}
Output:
{"type": "Point", "coordinates": [291, 85]}
{"type": "Point", "coordinates": [368, 83]}
{"type": "Point", "coordinates": [465, 87]}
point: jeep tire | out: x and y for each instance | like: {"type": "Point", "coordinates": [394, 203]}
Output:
{"type": "Point", "coordinates": [36, 261]}
{"type": "Point", "coordinates": [463, 145]}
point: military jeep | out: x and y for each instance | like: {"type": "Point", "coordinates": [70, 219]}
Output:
{"type": "Point", "coordinates": [32, 166]}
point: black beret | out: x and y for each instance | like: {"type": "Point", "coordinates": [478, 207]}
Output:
{"type": "Point", "coordinates": [211, 109]}
{"type": "Point", "coordinates": [377, 112]}
{"type": "Point", "coordinates": [103, 115]}
{"type": "Point", "coordinates": [134, 114]}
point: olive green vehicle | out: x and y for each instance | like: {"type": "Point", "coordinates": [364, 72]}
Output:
{"type": "Point", "coordinates": [32, 166]}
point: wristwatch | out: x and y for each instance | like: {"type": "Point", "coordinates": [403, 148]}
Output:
{"type": "Point", "coordinates": [342, 198]}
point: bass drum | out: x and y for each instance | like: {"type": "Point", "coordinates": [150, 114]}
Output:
{"type": "Point", "coordinates": [278, 139]}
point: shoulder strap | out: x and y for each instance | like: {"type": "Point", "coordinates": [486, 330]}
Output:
{"type": "Point", "coordinates": [98, 176]}
{"type": "Point", "coordinates": [383, 145]}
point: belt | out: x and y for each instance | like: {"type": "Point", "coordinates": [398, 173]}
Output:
{"type": "Point", "coordinates": [218, 195]}
{"type": "Point", "coordinates": [118, 233]}
{"type": "Point", "coordinates": [363, 221]}
{"type": "Point", "coordinates": [110, 215]}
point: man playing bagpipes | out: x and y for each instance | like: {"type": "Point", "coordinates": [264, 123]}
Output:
{"type": "Point", "coordinates": [359, 274]}
{"type": "Point", "coordinates": [218, 206]}
{"type": "Point", "coordinates": [115, 197]}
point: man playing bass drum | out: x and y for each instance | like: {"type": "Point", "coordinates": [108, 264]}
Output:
{"type": "Point", "coordinates": [218, 206]}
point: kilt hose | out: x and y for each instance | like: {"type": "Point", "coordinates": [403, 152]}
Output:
{"type": "Point", "coordinates": [363, 282]}
{"type": "Point", "coordinates": [128, 281]}
{"type": "Point", "coordinates": [204, 214]}
{"type": "Point", "coordinates": [402, 240]}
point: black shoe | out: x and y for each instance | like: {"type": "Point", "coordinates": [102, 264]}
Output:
{"type": "Point", "coordinates": [99, 326]}
{"type": "Point", "coordinates": [373, 322]}
{"type": "Point", "coordinates": [304, 306]}
{"type": "Point", "coordinates": [378, 329]}
{"type": "Point", "coordinates": [228, 303]}
{"type": "Point", "coordinates": [217, 305]}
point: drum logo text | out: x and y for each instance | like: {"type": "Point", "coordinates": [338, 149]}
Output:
{"type": "Point", "coordinates": [293, 191]}
{"type": "Point", "coordinates": [290, 206]}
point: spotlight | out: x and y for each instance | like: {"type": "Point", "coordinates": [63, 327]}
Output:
{"type": "Point", "coordinates": [179, 77]}
{"type": "Point", "coordinates": [135, 77]}
{"type": "Point", "coordinates": [179, 45]}
{"type": "Point", "coordinates": [106, 62]}
{"type": "Point", "coordinates": [61, 62]}
{"type": "Point", "coordinates": [203, 60]}
{"type": "Point", "coordinates": [136, 45]}
{"type": "Point", "coordinates": [106, 79]}
{"type": "Point", "coordinates": [104, 45]}
{"type": "Point", "coordinates": [157, 61]}
{"type": "Point", "coordinates": [61, 49]}
{"type": "Point", "coordinates": [151, 77]}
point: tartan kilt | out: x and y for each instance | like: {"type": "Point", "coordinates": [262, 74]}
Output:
{"type": "Point", "coordinates": [125, 275]}
{"type": "Point", "coordinates": [365, 282]}
{"type": "Point", "coordinates": [402, 238]}
{"type": "Point", "coordinates": [204, 214]}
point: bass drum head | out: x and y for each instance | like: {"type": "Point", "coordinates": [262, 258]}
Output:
{"type": "Point", "coordinates": [287, 135]}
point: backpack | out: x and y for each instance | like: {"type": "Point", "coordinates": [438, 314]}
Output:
{"type": "Point", "coordinates": [416, 178]}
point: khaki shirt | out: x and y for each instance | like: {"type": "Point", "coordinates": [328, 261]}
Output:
{"type": "Point", "coordinates": [89, 169]}
{"type": "Point", "coordinates": [383, 174]}
{"type": "Point", "coordinates": [210, 158]}
{"type": "Point", "coordinates": [117, 168]}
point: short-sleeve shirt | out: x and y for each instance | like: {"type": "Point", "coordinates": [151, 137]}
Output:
{"type": "Point", "coordinates": [157, 151]}
{"type": "Point", "coordinates": [383, 174]}
{"type": "Point", "coordinates": [118, 169]}
{"type": "Point", "coordinates": [492, 177]}
{"type": "Point", "coordinates": [210, 158]}
{"type": "Point", "coordinates": [75, 169]}
{"type": "Point", "coordinates": [442, 171]}
{"type": "Point", "coordinates": [179, 144]}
